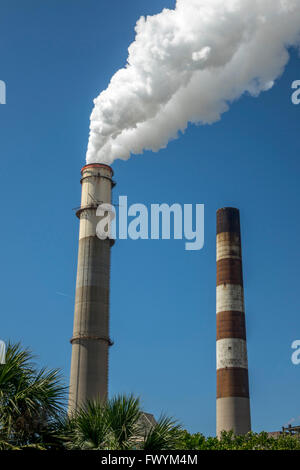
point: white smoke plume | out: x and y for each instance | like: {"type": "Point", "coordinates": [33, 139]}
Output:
{"type": "Point", "coordinates": [188, 65]}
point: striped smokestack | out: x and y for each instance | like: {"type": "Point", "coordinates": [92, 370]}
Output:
{"type": "Point", "coordinates": [233, 404]}
{"type": "Point", "coordinates": [90, 341]}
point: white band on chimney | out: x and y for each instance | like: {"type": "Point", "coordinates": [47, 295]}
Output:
{"type": "Point", "coordinates": [232, 352]}
{"type": "Point", "coordinates": [230, 297]}
{"type": "Point", "coordinates": [228, 246]}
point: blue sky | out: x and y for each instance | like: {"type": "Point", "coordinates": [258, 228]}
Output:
{"type": "Point", "coordinates": [55, 58]}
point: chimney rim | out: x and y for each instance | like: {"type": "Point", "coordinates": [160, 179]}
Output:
{"type": "Point", "coordinates": [228, 209]}
{"type": "Point", "coordinates": [97, 165]}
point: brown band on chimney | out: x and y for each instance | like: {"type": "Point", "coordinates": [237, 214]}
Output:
{"type": "Point", "coordinates": [232, 382]}
{"type": "Point", "coordinates": [231, 325]}
{"type": "Point", "coordinates": [228, 220]}
{"type": "Point", "coordinates": [229, 271]}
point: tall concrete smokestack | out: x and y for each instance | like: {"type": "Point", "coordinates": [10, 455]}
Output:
{"type": "Point", "coordinates": [233, 404]}
{"type": "Point", "coordinates": [90, 341]}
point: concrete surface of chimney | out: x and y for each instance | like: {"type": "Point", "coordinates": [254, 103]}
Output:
{"type": "Point", "coordinates": [90, 341]}
{"type": "Point", "coordinates": [233, 404]}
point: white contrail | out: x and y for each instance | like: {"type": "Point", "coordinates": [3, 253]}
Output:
{"type": "Point", "coordinates": [187, 65]}
{"type": "Point", "coordinates": [64, 295]}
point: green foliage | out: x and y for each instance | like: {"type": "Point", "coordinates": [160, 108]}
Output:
{"type": "Point", "coordinates": [112, 424]}
{"type": "Point", "coordinates": [32, 416]}
{"type": "Point", "coordinates": [31, 402]}
{"type": "Point", "coordinates": [165, 435]}
{"type": "Point", "coordinates": [228, 441]}
{"type": "Point", "coordinates": [88, 428]}
{"type": "Point", "coordinates": [124, 413]}
{"type": "Point", "coordinates": [116, 425]}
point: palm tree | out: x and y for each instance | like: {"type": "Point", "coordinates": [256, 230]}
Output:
{"type": "Point", "coordinates": [111, 424]}
{"type": "Point", "coordinates": [31, 402]}
{"type": "Point", "coordinates": [124, 415]}
{"type": "Point", "coordinates": [116, 425]}
{"type": "Point", "coordinates": [88, 428]}
{"type": "Point", "coordinates": [164, 435]}
{"type": "Point", "coordinates": [32, 414]}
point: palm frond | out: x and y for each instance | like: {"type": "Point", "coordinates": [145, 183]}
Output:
{"type": "Point", "coordinates": [90, 427]}
{"type": "Point", "coordinates": [164, 435]}
{"type": "Point", "coordinates": [124, 414]}
{"type": "Point", "coordinates": [30, 399]}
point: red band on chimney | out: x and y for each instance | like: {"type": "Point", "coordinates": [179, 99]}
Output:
{"type": "Point", "coordinates": [97, 165]}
